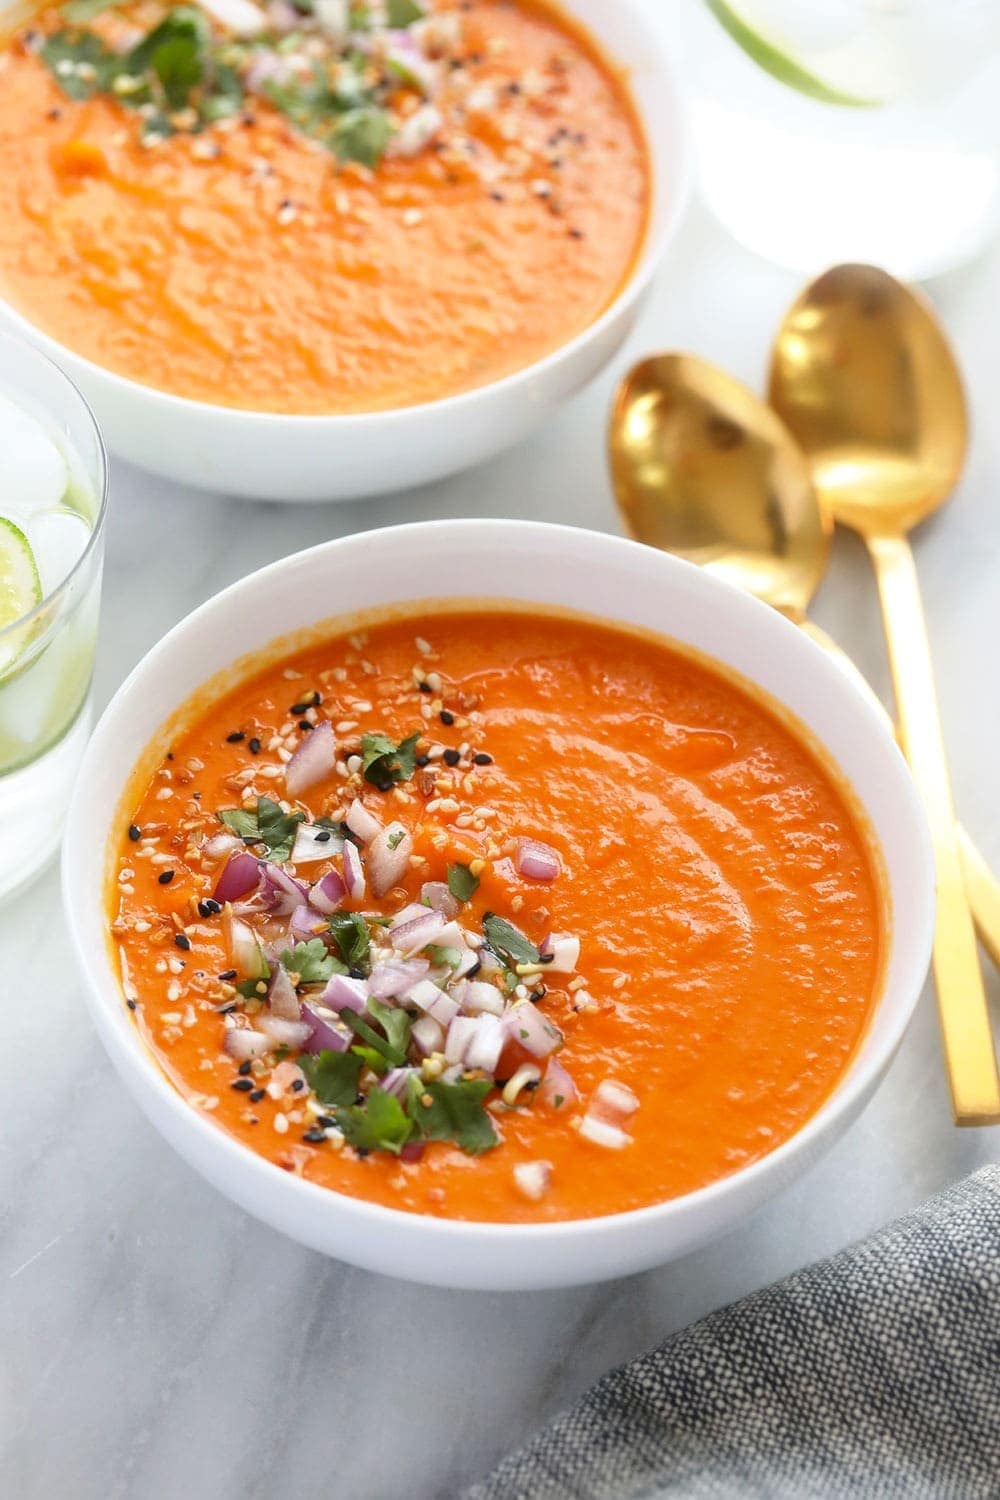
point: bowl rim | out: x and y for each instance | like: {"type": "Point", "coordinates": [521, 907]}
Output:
{"type": "Point", "coordinates": [649, 256]}
{"type": "Point", "coordinates": [308, 1201]}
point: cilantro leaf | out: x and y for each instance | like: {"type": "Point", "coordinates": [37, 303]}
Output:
{"type": "Point", "coordinates": [64, 51]}
{"type": "Point", "coordinates": [80, 11]}
{"type": "Point", "coordinates": [311, 962]}
{"type": "Point", "coordinates": [176, 52]}
{"type": "Point", "coordinates": [332, 1076]}
{"type": "Point", "coordinates": [395, 1023]}
{"type": "Point", "coordinates": [380, 1124]}
{"type": "Point", "coordinates": [349, 931]}
{"type": "Point", "coordinates": [266, 825]}
{"type": "Point", "coordinates": [254, 989]}
{"type": "Point", "coordinates": [368, 1034]}
{"type": "Point", "coordinates": [400, 13]}
{"type": "Point", "coordinates": [505, 939]}
{"type": "Point", "coordinates": [461, 882]}
{"type": "Point", "coordinates": [455, 1113]}
{"type": "Point", "coordinates": [384, 763]}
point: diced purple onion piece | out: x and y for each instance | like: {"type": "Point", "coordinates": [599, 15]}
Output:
{"type": "Point", "coordinates": [466, 964]}
{"type": "Point", "coordinates": [392, 977]}
{"type": "Point", "coordinates": [557, 1088]}
{"type": "Point", "coordinates": [360, 821]}
{"type": "Point", "coordinates": [240, 876]}
{"type": "Point", "coordinates": [221, 844]}
{"type": "Point", "coordinates": [394, 1082]}
{"type": "Point", "coordinates": [313, 843]}
{"type": "Point", "coordinates": [327, 1032]}
{"type": "Point", "coordinates": [537, 861]}
{"type": "Point", "coordinates": [427, 1036]}
{"type": "Point", "coordinates": [409, 913]}
{"type": "Point", "coordinates": [435, 894]}
{"type": "Point", "coordinates": [533, 1179]}
{"type": "Point", "coordinates": [481, 998]}
{"type": "Point", "coordinates": [307, 923]}
{"type": "Point", "coordinates": [242, 947]}
{"type": "Point", "coordinates": [328, 893]}
{"type": "Point", "coordinates": [412, 1151]}
{"type": "Point", "coordinates": [283, 1033]}
{"type": "Point", "coordinates": [281, 892]}
{"type": "Point", "coordinates": [344, 993]}
{"type": "Point", "coordinates": [565, 951]}
{"type": "Point", "coordinates": [281, 997]}
{"type": "Point", "coordinates": [354, 872]}
{"type": "Point", "coordinates": [314, 759]}
{"type": "Point", "coordinates": [528, 1027]}
{"type": "Point", "coordinates": [389, 858]}
{"type": "Point", "coordinates": [476, 1041]}
{"type": "Point", "coordinates": [433, 1001]}
{"type": "Point", "coordinates": [412, 936]}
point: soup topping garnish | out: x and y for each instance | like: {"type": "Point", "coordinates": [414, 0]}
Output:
{"type": "Point", "coordinates": [395, 1028]}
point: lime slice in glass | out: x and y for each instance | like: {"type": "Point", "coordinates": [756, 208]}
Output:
{"type": "Point", "coordinates": [20, 591]}
{"type": "Point", "coordinates": [784, 54]}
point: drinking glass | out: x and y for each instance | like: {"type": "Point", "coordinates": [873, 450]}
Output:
{"type": "Point", "coordinates": [47, 653]}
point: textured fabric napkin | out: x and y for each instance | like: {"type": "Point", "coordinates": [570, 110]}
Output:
{"type": "Point", "coordinates": [873, 1374]}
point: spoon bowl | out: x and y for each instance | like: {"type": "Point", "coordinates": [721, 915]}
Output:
{"type": "Point", "coordinates": [863, 375]}
{"type": "Point", "coordinates": [703, 469]}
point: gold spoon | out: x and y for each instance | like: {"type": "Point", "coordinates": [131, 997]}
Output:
{"type": "Point", "coordinates": [704, 469]}
{"type": "Point", "coordinates": [862, 373]}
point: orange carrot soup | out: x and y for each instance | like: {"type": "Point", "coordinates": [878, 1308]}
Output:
{"type": "Point", "coordinates": [325, 207]}
{"type": "Point", "coordinates": [496, 916]}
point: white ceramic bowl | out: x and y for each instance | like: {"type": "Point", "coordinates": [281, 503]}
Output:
{"type": "Point", "coordinates": [605, 576]}
{"type": "Point", "coordinates": [272, 457]}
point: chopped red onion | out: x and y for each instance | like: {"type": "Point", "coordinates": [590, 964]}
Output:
{"type": "Point", "coordinates": [481, 998]}
{"type": "Point", "coordinates": [314, 759]}
{"type": "Point", "coordinates": [468, 961]}
{"type": "Point", "coordinates": [327, 1032]}
{"type": "Point", "coordinates": [476, 1041]}
{"type": "Point", "coordinates": [426, 995]}
{"type": "Point", "coordinates": [281, 892]}
{"type": "Point", "coordinates": [284, 1033]}
{"type": "Point", "coordinates": [427, 1036]}
{"type": "Point", "coordinates": [537, 861]}
{"type": "Point", "coordinates": [281, 997]}
{"type": "Point", "coordinates": [533, 1179]}
{"type": "Point", "coordinates": [313, 843]}
{"type": "Point", "coordinates": [306, 924]}
{"type": "Point", "coordinates": [418, 934]}
{"type": "Point", "coordinates": [435, 894]}
{"type": "Point", "coordinates": [528, 1027]}
{"type": "Point", "coordinates": [389, 858]}
{"type": "Point", "coordinates": [565, 951]}
{"type": "Point", "coordinates": [360, 821]}
{"type": "Point", "coordinates": [327, 894]}
{"type": "Point", "coordinates": [240, 875]}
{"type": "Point", "coordinates": [409, 913]}
{"type": "Point", "coordinates": [557, 1088]}
{"type": "Point", "coordinates": [412, 1151]}
{"type": "Point", "coordinates": [613, 1102]}
{"type": "Point", "coordinates": [244, 1045]}
{"type": "Point", "coordinates": [602, 1134]}
{"type": "Point", "coordinates": [354, 872]}
{"type": "Point", "coordinates": [344, 993]}
{"type": "Point", "coordinates": [391, 977]}
{"type": "Point", "coordinates": [394, 1082]}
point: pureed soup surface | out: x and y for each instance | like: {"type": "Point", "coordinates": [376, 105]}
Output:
{"type": "Point", "coordinates": [458, 199]}
{"type": "Point", "coordinates": [722, 895]}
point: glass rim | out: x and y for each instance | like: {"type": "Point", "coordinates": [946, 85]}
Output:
{"type": "Point", "coordinates": [22, 346]}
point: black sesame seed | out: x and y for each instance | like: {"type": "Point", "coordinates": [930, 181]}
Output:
{"type": "Point", "coordinates": [299, 708]}
{"type": "Point", "coordinates": [425, 687]}
{"type": "Point", "coordinates": [446, 717]}
{"type": "Point", "coordinates": [539, 994]}
{"type": "Point", "coordinates": [474, 970]}
{"type": "Point", "coordinates": [55, 113]}
{"type": "Point", "coordinates": [451, 757]}
{"type": "Point", "coordinates": [576, 234]}
{"type": "Point", "coordinates": [546, 958]}
{"type": "Point", "coordinates": [297, 1085]}
{"type": "Point", "coordinates": [253, 745]}
{"type": "Point", "coordinates": [249, 121]}
{"type": "Point", "coordinates": [422, 760]}
{"type": "Point", "coordinates": [482, 759]}
{"type": "Point", "coordinates": [243, 1085]}
{"type": "Point", "coordinates": [134, 832]}
{"type": "Point", "coordinates": [305, 726]}
{"type": "Point", "coordinates": [226, 1010]}
{"type": "Point", "coordinates": [131, 1004]}
{"type": "Point", "coordinates": [236, 737]}
{"type": "Point", "coordinates": [326, 1121]}
{"type": "Point", "coordinates": [314, 1136]}
{"type": "Point", "coordinates": [497, 196]}
{"type": "Point", "coordinates": [257, 1096]}
{"type": "Point", "coordinates": [324, 836]}
{"type": "Point", "coordinates": [165, 877]}
{"type": "Point", "coordinates": [356, 973]}
{"type": "Point", "coordinates": [244, 1069]}
{"type": "Point", "coordinates": [183, 941]}
{"type": "Point", "coordinates": [208, 908]}
{"type": "Point", "coordinates": [228, 974]}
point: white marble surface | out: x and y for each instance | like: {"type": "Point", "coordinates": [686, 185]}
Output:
{"type": "Point", "coordinates": [154, 1342]}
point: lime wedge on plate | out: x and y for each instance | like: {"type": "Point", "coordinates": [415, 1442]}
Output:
{"type": "Point", "coordinates": [777, 56]}
{"type": "Point", "coordinates": [20, 591]}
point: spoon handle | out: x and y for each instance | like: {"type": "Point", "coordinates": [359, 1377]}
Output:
{"type": "Point", "coordinates": [965, 1023]}
{"type": "Point", "coordinates": [982, 889]}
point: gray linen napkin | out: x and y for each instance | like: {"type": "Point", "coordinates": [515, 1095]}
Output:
{"type": "Point", "coordinates": [873, 1374]}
